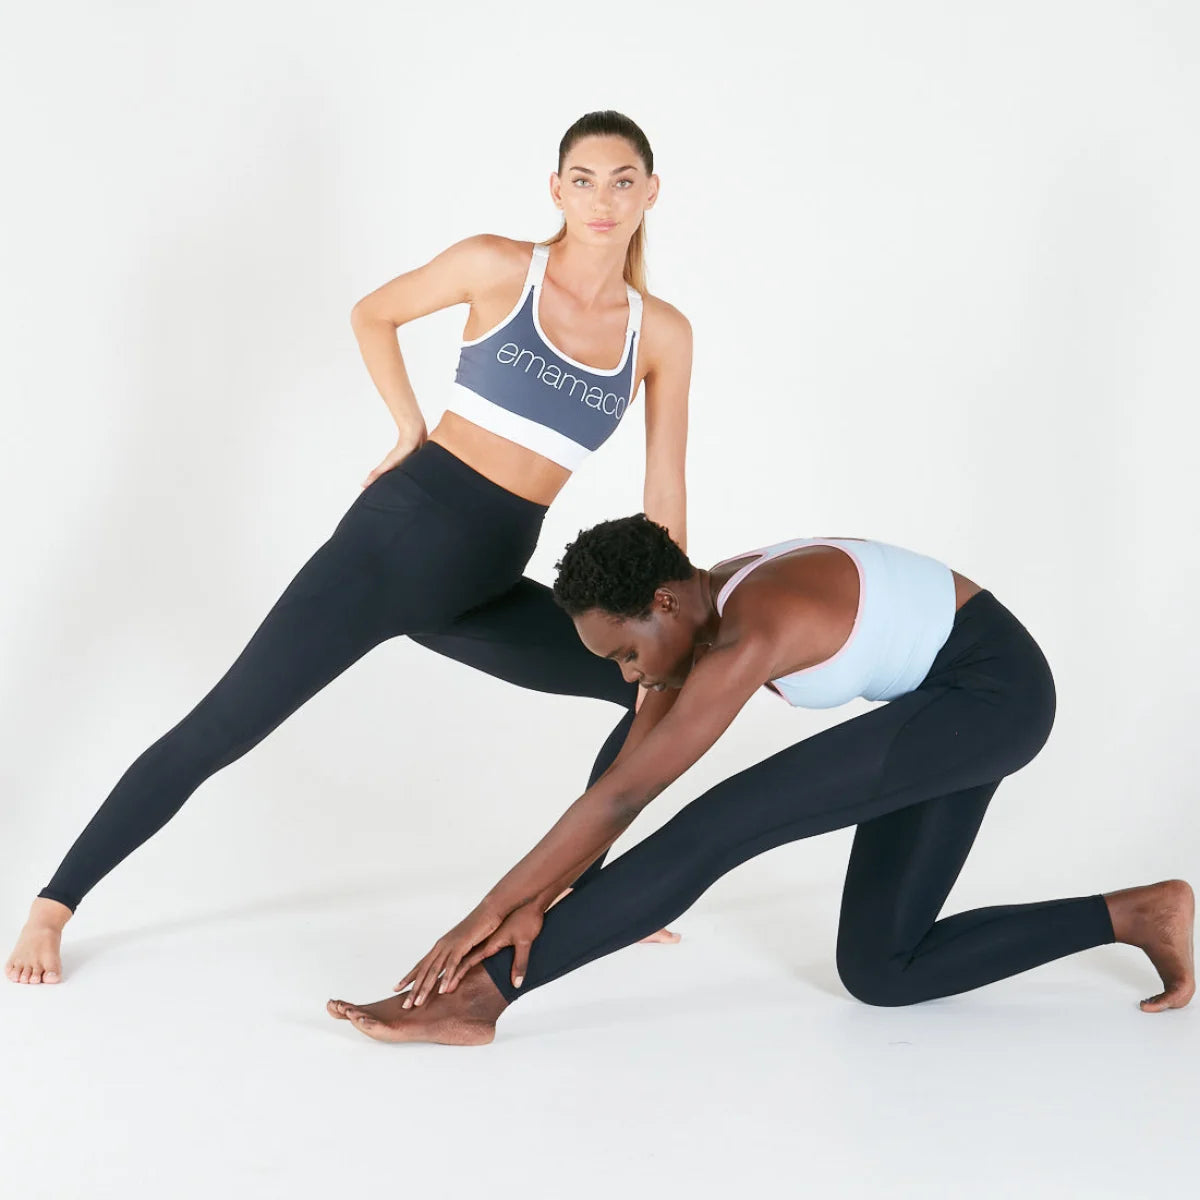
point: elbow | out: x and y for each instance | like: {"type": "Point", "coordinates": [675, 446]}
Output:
{"type": "Point", "coordinates": [624, 810]}
{"type": "Point", "coordinates": [627, 805]}
{"type": "Point", "coordinates": [363, 315]}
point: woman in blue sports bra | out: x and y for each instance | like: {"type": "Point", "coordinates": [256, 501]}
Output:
{"type": "Point", "coordinates": [559, 338]}
{"type": "Point", "coordinates": [820, 621]}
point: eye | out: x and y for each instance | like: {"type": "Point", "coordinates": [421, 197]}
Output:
{"type": "Point", "coordinates": [628, 181]}
{"type": "Point", "coordinates": [631, 656]}
{"type": "Point", "coordinates": [581, 179]}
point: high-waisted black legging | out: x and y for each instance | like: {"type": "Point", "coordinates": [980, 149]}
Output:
{"type": "Point", "coordinates": [915, 775]}
{"type": "Point", "coordinates": [431, 549]}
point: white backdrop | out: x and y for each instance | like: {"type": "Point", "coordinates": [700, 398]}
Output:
{"type": "Point", "coordinates": [941, 264]}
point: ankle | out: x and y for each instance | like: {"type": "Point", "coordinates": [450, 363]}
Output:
{"type": "Point", "coordinates": [48, 914]}
{"type": "Point", "coordinates": [1128, 910]}
{"type": "Point", "coordinates": [482, 995]}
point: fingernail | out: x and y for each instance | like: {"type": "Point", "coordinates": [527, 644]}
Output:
{"type": "Point", "coordinates": [520, 979]}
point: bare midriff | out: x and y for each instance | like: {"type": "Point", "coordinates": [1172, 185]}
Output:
{"type": "Point", "coordinates": [515, 468]}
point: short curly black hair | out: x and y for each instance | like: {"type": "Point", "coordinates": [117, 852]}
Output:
{"type": "Point", "coordinates": [617, 566]}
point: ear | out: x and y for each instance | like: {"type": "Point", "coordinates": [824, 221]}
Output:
{"type": "Point", "coordinates": [652, 191]}
{"type": "Point", "coordinates": [556, 189]}
{"type": "Point", "coordinates": [665, 600]}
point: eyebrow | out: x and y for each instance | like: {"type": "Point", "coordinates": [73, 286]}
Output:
{"type": "Point", "coordinates": [614, 171]}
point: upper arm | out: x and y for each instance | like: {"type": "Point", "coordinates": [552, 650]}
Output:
{"type": "Point", "coordinates": [668, 379]}
{"type": "Point", "coordinates": [715, 692]}
{"type": "Point", "coordinates": [452, 277]}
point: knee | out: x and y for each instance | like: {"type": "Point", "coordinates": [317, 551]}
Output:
{"type": "Point", "coordinates": [210, 737]}
{"type": "Point", "coordinates": [873, 978]}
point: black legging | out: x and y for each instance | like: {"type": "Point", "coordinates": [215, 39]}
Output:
{"type": "Point", "coordinates": [915, 775]}
{"type": "Point", "coordinates": [431, 549]}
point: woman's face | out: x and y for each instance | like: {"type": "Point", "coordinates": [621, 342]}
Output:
{"type": "Point", "coordinates": [603, 189]}
{"type": "Point", "coordinates": [654, 651]}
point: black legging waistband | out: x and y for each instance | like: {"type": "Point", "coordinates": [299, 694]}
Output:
{"type": "Point", "coordinates": [456, 484]}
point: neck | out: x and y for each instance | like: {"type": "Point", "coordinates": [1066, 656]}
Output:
{"type": "Point", "coordinates": [588, 271]}
{"type": "Point", "coordinates": [708, 620]}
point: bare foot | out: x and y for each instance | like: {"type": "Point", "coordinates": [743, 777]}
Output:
{"type": "Point", "coordinates": [666, 937]}
{"type": "Point", "coordinates": [1158, 918]}
{"type": "Point", "coordinates": [36, 958]}
{"type": "Point", "coordinates": [464, 1017]}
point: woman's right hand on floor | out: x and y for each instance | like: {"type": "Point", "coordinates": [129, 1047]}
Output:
{"type": "Point", "coordinates": [406, 443]}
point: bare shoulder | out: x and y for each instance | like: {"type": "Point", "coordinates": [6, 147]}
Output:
{"type": "Point", "coordinates": [666, 339]}
{"type": "Point", "coordinates": [463, 272]}
{"type": "Point", "coordinates": [746, 647]}
{"type": "Point", "coordinates": [490, 259]}
{"type": "Point", "coordinates": [767, 610]}
{"type": "Point", "coordinates": [663, 322]}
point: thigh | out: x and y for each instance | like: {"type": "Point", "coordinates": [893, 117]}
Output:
{"type": "Point", "coordinates": [330, 614]}
{"type": "Point", "coordinates": [396, 562]}
{"type": "Point", "coordinates": [522, 636]}
{"type": "Point", "coordinates": [902, 867]}
{"type": "Point", "coordinates": [925, 744]}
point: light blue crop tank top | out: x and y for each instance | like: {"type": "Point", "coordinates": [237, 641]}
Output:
{"type": "Point", "coordinates": [905, 613]}
{"type": "Point", "coordinates": [513, 382]}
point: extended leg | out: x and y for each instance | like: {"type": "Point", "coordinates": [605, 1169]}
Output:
{"type": "Point", "coordinates": [872, 764]}
{"type": "Point", "coordinates": [327, 618]}
{"type": "Point", "coordinates": [394, 562]}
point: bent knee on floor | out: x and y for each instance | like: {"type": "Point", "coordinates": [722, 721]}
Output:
{"type": "Point", "coordinates": [878, 981]}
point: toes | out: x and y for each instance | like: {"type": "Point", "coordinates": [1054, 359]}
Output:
{"type": "Point", "coordinates": [50, 976]}
{"type": "Point", "coordinates": [25, 973]}
{"type": "Point", "coordinates": [35, 976]}
{"type": "Point", "coordinates": [1159, 1003]}
{"type": "Point", "coordinates": [336, 1008]}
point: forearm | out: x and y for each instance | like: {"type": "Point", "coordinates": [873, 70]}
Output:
{"type": "Point", "coordinates": [719, 684]}
{"type": "Point", "coordinates": [566, 881]}
{"type": "Point", "coordinates": [655, 706]}
{"type": "Point", "coordinates": [380, 350]}
{"type": "Point", "coordinates": [587, 828]}
{"type": "Point", "coordinates": [668, 508]}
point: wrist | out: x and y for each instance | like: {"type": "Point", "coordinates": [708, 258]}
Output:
{"type": "Point", "coordinates": [408, 432]}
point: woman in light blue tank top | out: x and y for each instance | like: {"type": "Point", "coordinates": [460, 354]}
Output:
{"type": "Point", "coordinates": [560, 337]}
{"type": "Point", "coordinates": [820, 621]}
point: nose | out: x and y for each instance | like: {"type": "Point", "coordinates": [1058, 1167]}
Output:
{"type": "Point", "coordinates": [628, 673]}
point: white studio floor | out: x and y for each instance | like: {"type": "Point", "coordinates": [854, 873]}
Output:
{"type": "Point", "coordinates": [193, 1058]}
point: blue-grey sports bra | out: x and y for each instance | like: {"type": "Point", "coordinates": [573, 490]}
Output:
{"type": "Point", "coordinates": [513, 382]}
{"type": "Point", "coordinates": [905, 613]}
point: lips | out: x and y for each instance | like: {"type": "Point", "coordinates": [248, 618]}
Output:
{"type": "Point", "coordinates": [601, 224]}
